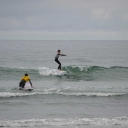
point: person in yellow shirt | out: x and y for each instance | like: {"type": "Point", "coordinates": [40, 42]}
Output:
{"type": "Point", "coordinates": [23, 81]}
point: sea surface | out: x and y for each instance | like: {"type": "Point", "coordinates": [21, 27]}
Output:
{"type": "Point", "coordinates": [90, 92]}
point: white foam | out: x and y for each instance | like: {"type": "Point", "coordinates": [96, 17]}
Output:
{"type": "Point", "coordinates": [58, 92]}
{"type": "Point", "coordinates": [22, 68]}
{"type": "Point", "coordinates": [47, 71]}
{"type": "Point", "coordinates": [80, 67]}
{"type": "Point", "coordinates": [11, 94]}
{"type": "Point", "coordinates": [123, 121]}
{"type": "Point", "coordinates": [92, 94]}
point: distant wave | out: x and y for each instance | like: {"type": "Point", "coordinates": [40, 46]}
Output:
{"type": "Point", "coordinates": [87, 73]}
{"type": "Point", "coordinates": [123, 121]}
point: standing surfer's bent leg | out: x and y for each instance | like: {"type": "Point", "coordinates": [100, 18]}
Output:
{"type": "Point", "coordinates": [59, 67]}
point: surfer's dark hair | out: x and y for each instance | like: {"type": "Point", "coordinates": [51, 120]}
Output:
{"type": "Point", "coordinates": [26, 74]}
{"type": "Point", "coordinates": [58, 51]}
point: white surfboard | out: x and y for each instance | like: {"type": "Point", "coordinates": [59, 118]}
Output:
{"type": "Point", "coordinates": [27, 87]}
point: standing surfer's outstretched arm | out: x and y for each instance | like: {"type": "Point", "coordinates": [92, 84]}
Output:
{"type": "Point", "coordinates": [63, 55]}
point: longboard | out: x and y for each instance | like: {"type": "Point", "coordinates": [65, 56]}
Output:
{"type": "Point", "coordinates": [25, 89]}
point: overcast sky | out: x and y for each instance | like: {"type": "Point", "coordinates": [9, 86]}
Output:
{"type": "Point", "coordinates": [63, 19]}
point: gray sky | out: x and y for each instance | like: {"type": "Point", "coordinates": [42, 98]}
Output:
{"type": "Point", "coordinates": [64, 19]}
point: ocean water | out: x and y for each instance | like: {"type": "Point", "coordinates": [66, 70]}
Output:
{"type": "Point", "coordinates": [90, 92]}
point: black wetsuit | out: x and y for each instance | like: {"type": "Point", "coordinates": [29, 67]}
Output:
{"type": "Point", "coordinates": [22, 83]}
{"type": "Point", "coordinates": [56, 59]}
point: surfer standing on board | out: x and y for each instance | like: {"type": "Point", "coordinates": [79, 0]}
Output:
{"type": "Point", "coordinates": [23, 81]}
{"type": "Point", "coordinates": [56, 59]}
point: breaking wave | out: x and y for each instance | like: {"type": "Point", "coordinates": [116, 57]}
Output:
{"type": "Point", "coordinates": [57, 92]}
{"type": "Point", "coordinates": [87, 73]}
{"type": "Point", "coordinates": [123, 121]}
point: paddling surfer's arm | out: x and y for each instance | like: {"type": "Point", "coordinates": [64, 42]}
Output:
{"type": "Point", "coordinates": [30, 83]}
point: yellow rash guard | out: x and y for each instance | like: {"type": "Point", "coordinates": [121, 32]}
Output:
{"type": "Point", "coordinates": [25, 78]}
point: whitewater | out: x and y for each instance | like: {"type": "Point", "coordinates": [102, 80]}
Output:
{"type": "Point", "coordinates": [91, 91]}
